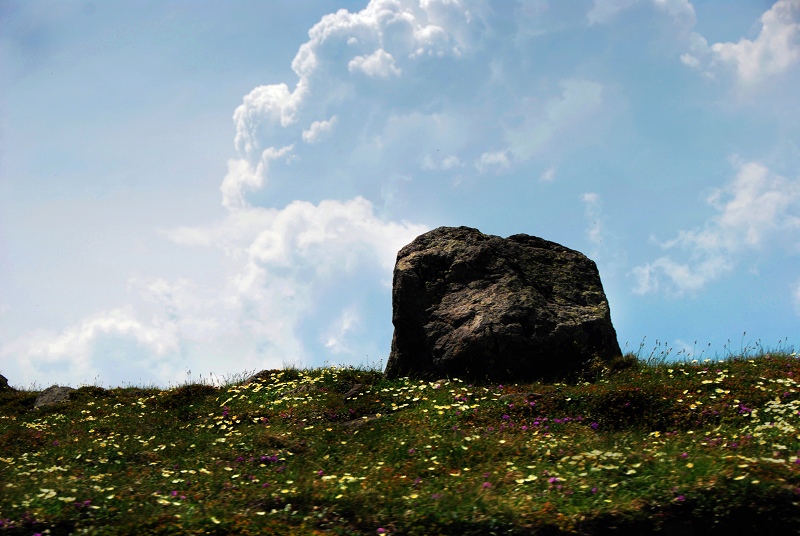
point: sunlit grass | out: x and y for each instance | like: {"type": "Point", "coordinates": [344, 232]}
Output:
{"type": "Point", "coordinates": [643, 445]}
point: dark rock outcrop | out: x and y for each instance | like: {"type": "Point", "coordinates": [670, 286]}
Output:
{"type": "Point", "coordinates": [482, 308]}
{"type": "Point", "coordinates": [4, 383]}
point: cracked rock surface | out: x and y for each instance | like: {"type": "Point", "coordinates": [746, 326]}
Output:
{"type": "Point", "coordinates": [484, 308]}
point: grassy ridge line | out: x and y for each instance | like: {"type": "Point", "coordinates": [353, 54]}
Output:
{"type": "Point", "coordinates": [681, 448]}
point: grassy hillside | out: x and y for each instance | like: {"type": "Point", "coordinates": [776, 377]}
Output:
{"type": "Point", "coordinates": [681, 448]}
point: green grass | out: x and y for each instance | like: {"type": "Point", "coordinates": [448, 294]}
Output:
{"type": "Point", "coordinates": [645, 447]}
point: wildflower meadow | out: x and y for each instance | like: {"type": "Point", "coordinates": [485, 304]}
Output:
{"type": "Point", "coordinates": [641, 446]}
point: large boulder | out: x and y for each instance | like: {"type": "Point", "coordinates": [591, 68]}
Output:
{"type": "Point", "coordinates": [486, 309]}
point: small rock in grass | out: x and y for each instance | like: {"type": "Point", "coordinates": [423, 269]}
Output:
{"type": "Point", "coordinates": [52, 395]}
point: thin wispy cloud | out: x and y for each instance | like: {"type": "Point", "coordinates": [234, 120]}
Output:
{"type": "Point", "coordinates": [754, 207]}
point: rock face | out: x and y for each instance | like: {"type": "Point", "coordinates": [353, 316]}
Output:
{"type": "Point", "coordinates": [482, 308]}
{"type": "Point", "coordinates": [4, 383]}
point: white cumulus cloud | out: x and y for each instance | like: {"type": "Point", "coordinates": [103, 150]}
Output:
{"type": "Point", "coordinates": [318, 129]}
{"type": "Point", "coordinates": [285, 264]}
{"type": "Point", "coordinates": [263, 107]}
{"type": "Point", "coordinates": [244, 176]}
{"type": "Point", "coordinates": [379, 64]}
{"type": "Point", "coordinates": [776, 48]}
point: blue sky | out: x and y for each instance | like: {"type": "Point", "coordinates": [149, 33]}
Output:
{"type": "Point", "coordinates": [189, 188]}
